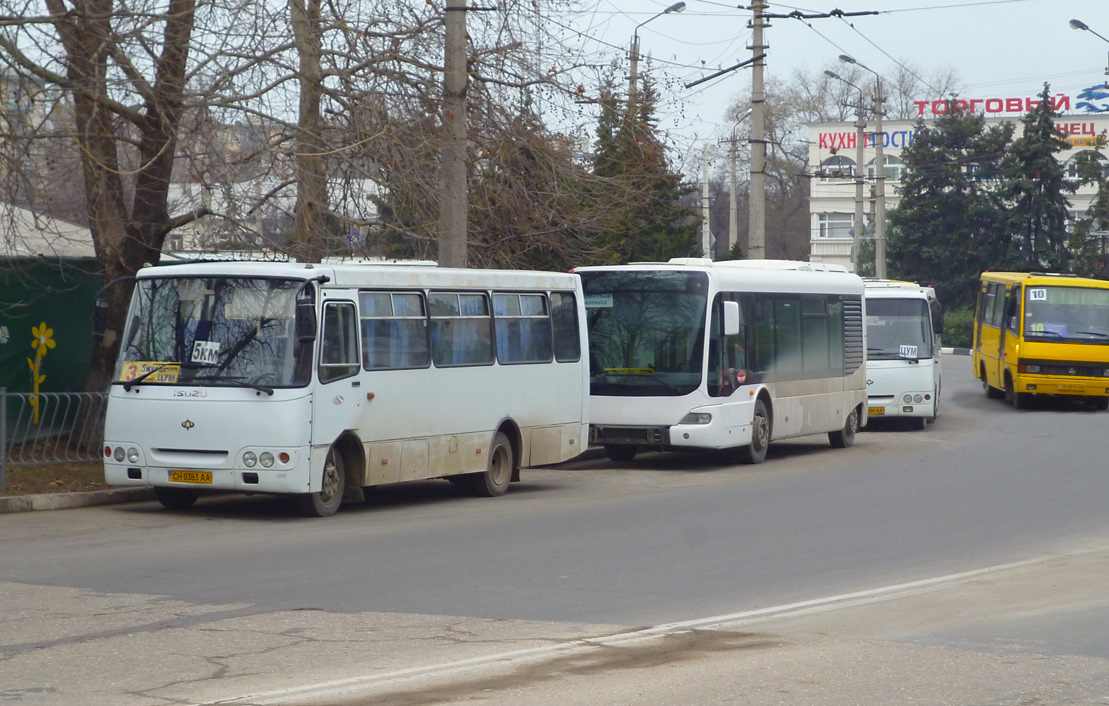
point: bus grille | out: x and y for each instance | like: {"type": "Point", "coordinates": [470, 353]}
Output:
{"type": "Point", "coordinates": [629, 435]}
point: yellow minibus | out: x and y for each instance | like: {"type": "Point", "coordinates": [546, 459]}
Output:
{"type": "Point", "coordinates": [1042, 334]}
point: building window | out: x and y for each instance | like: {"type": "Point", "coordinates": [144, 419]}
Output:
{"type": "Point", "coordinates": [836, 225]}
{"type": "Point", "coordinates": [837, 167]}
{"type": "Point", "coordinates": [1073, 162]}
{"type": "Point", "coordinates": [894, 168]}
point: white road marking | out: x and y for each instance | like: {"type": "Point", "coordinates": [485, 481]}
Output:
{"type": "Point", "coordinates": [350, 687]}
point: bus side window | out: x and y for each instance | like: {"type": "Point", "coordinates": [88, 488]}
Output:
{"type": "Point", "coordinates": [339, 354]}
{"type": "Point", "coordinates": [1012, 307]}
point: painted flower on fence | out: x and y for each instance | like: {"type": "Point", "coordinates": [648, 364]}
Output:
{"type": "Point", "coordinates": [43, 340]}
{"type": "Point", "coordinates": [3, 334]}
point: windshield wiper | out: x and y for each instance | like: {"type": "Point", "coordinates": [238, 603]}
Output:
{"type": "Point", "coordinates": [131, 383]}
{"type": "Point", "coordinates": [649, 376]}
{"type": "Point", "coordinates": [237, 382]}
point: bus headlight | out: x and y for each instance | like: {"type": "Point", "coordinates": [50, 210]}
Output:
{"type": "Point", "coordinates": [696, 418]}
{"type": "Point", "coordinates": [907, 399]}
{"type": "Point", "coordinates": [266, 459]}
{"type": "Point", "coordinates": [119, 454]}
{"type": "Point", "coordinates": [249, 459]}
{"type": "Point", "coordinates": [918, 398]}
{"type": "Point", "coordinates": [1031, 368]}
{"type": "Point", "coordinates": [132, 455]}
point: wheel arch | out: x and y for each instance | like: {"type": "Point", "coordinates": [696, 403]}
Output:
{"type": "Point", "coordinates": [354, 458]}
{"type": "Point", "coordinates": [511, 429]}
{"type": "Point", "coordinates": [764, 396]}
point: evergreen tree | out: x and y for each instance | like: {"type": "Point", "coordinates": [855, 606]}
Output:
{"type": "Point", "coordinates": [1087, 244]}
{"type": "Point", "coordinates": [950, 223]}
{"type": "Point", "coordinates": [1036, 191]}
{"type": "Point", "coordinates": [653, 224]}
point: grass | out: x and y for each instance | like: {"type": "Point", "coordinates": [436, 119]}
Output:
{"type": "Point", "coordinates": [54, 478]}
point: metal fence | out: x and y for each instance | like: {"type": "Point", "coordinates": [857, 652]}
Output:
{"type": "Point", "coordinates": [50, 427]}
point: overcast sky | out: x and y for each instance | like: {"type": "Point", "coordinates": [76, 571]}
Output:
{"type": "Point", "coordinates": [998, 48]}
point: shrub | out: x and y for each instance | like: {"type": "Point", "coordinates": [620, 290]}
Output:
{"type": "Point", "coordinates": [958, 328]}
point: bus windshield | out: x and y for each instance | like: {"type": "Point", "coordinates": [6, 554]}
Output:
{"type": "Point", "coordinates": [217, 331]}
{"type": "Point", "coordinates": [1066, 314]}
{"type": "Point", "coordinates": [646, 331]}
{"type": "Point", "coordinates": [898, 329]}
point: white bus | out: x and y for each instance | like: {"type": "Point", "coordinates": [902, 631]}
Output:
{"type": "Point", "coordinates": [903, 326]}
{"type": "Point", "coordinates": [319, 380]}
{"type": "Point", "coordinates": [693, 354]}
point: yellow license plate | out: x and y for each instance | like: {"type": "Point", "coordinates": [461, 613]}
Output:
{"type": "Point", "coordinates": [190, 476]}
{"type": "Point", "coordinates": [1072, 387]}
{"type": "Point", "coordinates": [875, 410]}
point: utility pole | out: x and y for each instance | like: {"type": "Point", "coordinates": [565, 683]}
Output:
{"type": "Point", "coordinates": [880, 183]}
{"type": "Point", "coordinates": [860, 125]}
{"type": "Point", "coordinates": [453, 202]}
{"type": "Point", "coordinates": [756, 232]}
{"type": "Point", "coordinates": [706, 230]}
{"type": "Point", "coordinates": [733, 210]}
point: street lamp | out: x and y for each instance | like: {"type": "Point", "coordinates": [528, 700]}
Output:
{"type": "Point", "coordinates": [1079, 24]}
{"type": "Point", "coordinates": [632, 75]}
{"type": "Point", "coordinates": [879, 171]}
{"type": "Point", "coordinates": [860, 123]}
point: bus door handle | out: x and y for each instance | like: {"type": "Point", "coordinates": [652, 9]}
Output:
{"type": "Point", "coordinates": [356, 383]}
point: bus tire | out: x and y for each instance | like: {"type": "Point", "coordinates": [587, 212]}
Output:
{"type": "Point", "coordinates": [992, 393]}
{"type": "Point", "coordinates": [620, 452]}
{"type": "Point", "coordinates": [494, 480]}
{"type": "Point", "coordinates": [175, 498]}
{"type": "Point", "coordinates": [845, 437]}
{"type": "Point", "coordinates": [755, 452]}
{"type": "Point", "coordinates": [917, 423]}
{"type": "Point", "coordinates": [1019, 400]}
{"type": "Point", "coordinates": [1100, 403]}
{"type": "Point", "coordinates": [327, 500]}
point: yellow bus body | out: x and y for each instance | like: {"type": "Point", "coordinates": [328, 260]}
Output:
{"type": "Point", "coordinates": [1042, 334]}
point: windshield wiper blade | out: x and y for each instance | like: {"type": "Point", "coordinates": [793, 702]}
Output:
{"type": "Point", "coordinates": [131, 383]}
{"type": "Point", "coordinates": [237, 382]}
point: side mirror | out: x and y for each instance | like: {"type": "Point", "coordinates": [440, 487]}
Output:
{"type": "Point", "coordinates": [305, 322]}
{"type": "Point", "coordinates": [731, 318]}
{"type": "Point", "coordinates": [100, 318]}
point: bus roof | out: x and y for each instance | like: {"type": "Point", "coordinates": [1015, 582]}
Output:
{"type": "Point", "coordinates": [370, 274]}
{"type": "Point", "coordinates": [893, 289]}
{"type": "Point", "coordinates": [756, 275]}
{"type": "Point", "coordinates": [1059, 279]}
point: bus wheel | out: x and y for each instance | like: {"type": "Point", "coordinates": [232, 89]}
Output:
{"type": "Point", "coordinates": [621, 453]}
{"type": "Point", "coordinates": [845, 437]}
{"type": "Point", "coordinates": [992, 393]}
{"type": "Point", "coordinates": [325, 503]}
{"type": "Point", "coordinates": [755, 452]}
{"type": "Point", "coordinates": [1019, 400]}
{"type": "Point", "coordinates": [917, 423]}
{"type": "Point", "coordinates": [498, 474]}
{"type": "Point", "coordinates": [176, 498]}
{"type": "Point", "coordinates": [1100, 403]}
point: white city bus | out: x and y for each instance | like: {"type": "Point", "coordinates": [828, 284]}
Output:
{"type": "Point", "coordinates": [728, 355]}
{"type": "Point", "coordinates": [319, 380]}
{"type": "Point", "coordinates": [903, 326]}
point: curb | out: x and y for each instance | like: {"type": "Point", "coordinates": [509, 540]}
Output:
{"type": "Point", "coordinates": [955, 351]}
{"type": "Point", "coordinates": [65, 501]}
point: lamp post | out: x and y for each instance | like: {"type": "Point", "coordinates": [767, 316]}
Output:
{"type": "Point", "coordinates": [879, 172]}
{"type": "Point", "coordinates": [860, 123]}
{"type": "Point", "coordinates": [1079, 24]}
{"type": "Point", "coordinates": [633, 73]}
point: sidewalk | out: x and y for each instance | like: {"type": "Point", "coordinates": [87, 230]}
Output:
{"type": "Point", "coordinates": [65, 501]}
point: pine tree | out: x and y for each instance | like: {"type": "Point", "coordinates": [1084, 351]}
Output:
{"type": "Point", "coordinates": [654, 225]}
{"type": "Point", "coordinates": [1036, 191]}
{"type": "Point", "coordinates": [1087, 244]}
{"type": "Point", "coordinates": [950, 223]}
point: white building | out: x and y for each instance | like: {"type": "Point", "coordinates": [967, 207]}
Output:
{"type": "Point", "coordinates": [834, 163]}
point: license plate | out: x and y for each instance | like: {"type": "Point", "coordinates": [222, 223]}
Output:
{"type": "Point", "coordinates": [190, 476]}
{"type": "Point", "coordinates": [875, 410]}
{"type": "Point", "coordinates": [1072, 387]}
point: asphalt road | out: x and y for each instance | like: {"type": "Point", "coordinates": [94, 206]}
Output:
{"type": "Point", "coordinates": [963, 564]}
